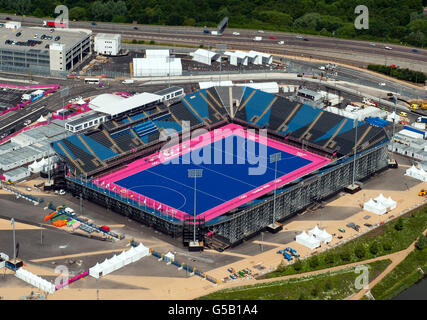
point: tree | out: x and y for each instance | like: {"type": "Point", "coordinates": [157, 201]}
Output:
{"type": "Point", "coordinates": [315, 291]}
{"type": "Point", "coordinates": [78, 13]}
{"type": "Point", "coordinates": [119, 19]}
{"type": "Point", "coordinates": [328, 285]}
{"type": "Point", "coordinates": [313, 262]}
{"type": "Point", "coordinates": [422, 242]}
{"type": "Point", "coordinates": [387, 245]}
{"type": "Point", "coordinates": [399, 225]}
{"type": "Point", "coordinates": [38, 13]}
{"type": "Point", "coordinates": [308, 21]}
{"type": "Point", "coordinates": [330, 258]}
{"type": "Point", "coordinates": [374, 248]}
{"type": "Point", "coordinates": [359, 251]}
{"type": "Point", "coordinates": [297, 265]}
{"type": "Point", "coordinates": [345, 255]}
{"type": "Point", "coordinates": [189, 22]}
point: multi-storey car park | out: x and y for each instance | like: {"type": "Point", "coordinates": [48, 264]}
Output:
{"type": "Point", "coordinates": [42, 51]}
{"type": "Point", "coordinates": [137, 164]}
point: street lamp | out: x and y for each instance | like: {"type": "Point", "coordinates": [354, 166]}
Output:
{"type": "Point", "coordinates": [274, 158]}
{"type": "Point", "coordinates": [195, 173]}
{"type": "Point", "coordinates": [12, 222]}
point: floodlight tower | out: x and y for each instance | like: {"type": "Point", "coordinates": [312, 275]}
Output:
{"type": "Point", "coordinates": [195, 173]}
{"type": "Point", "coordinates": [274, 158]}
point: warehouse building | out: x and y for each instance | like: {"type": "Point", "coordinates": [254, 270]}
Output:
{"type": "Point", "coordinates": [108, 44]}
{"type": "Point", "coordinates": [157, 66]}
{"type": "Point", "coordinates": [40, 51]}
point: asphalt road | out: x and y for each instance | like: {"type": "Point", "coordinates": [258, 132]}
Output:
{"type": "Point", "coordinates": [195, 35]}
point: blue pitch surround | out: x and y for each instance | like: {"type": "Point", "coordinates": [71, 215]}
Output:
{"type": "Point", "coordinates": [168, 183]}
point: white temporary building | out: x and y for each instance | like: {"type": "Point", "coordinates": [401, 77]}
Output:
{"type": "Point", "coordinates": [271, 87]}
{"type": "Point", "coordinates": [261, 57]}
{"type": "Point", "coordinates": [416, 173]}
{"type": "Point", "coordinates": [35, 280]}
{"type": "Point", "coordinates": [392, 116]}
{"type": "Point", "coordinates": [309, 241]}
{"type": "Point", "coordinates": [169, 256]}
{"type": "Point", "coordinates": [209, 84]}
{"type": "Point", "coordinates": [159, 66]}
{"type": "Point", "coordinates": [155, 53]}
{"type": "Point", "coordinates": [96, 271]}
{"type": "Point", "coordinates": [205, 56]}
{"type": "Point", "coordinates": [389, 203]}
{"type": "Point", "coordinates": [237, 58]}
{"type": "Point", "coordinates": [374, 207]}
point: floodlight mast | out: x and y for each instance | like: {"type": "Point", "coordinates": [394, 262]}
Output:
{"type": "Point", "coordinates": [195, 173]}
{"type": "Point", "coordinates": [274, 158]}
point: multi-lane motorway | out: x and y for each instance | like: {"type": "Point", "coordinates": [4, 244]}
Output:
{"type": "Point", "coordinates": [349, 51]}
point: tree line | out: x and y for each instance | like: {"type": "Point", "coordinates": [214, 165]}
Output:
{"type": "Point", "coordinates": [392, 20]}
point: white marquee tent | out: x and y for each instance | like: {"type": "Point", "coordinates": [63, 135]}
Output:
{"type": "Point", "coordinates": [374, 207]}
{"type": "Point", "coordinates": [389, 203]}
{"type": "Point", "coordinates": [309, 241]}
{"type": "Point", "coordinates": [416, 173]}
{"type": "Point", "coordinates": [321, 235]}
{"type": "Point", "coordinates": [35, 280]}
{"type": "Point", "coordinates": [119, 261]}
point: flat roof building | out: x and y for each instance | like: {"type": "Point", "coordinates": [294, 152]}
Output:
{"type": "Point", "coordinates": [157, 66]}
{"type": "Point", "coordinates": [24, 52]}
{"type": "Point", "coordinates": [108, 44]}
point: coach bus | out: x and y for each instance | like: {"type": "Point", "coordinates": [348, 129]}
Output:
{"type": "Point", "coordinates": [92, 80]}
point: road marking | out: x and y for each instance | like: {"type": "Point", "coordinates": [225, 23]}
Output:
{"type": "Point", "coordinates": [27, 115]}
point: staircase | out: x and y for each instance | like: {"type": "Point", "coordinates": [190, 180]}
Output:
{"type": "Point", "coordinates": [217, 243]}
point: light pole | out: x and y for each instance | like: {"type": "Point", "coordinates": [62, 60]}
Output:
{"type": "Point", "coordinates": [274, 158]}
{"type": "Point", "coordinates": [355, 142]}
{"type": "Point", "coordinates": [195, 173]}
{"type": "Point", "coordinates": [12, 222]}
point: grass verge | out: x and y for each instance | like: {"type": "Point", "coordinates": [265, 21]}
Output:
{"type": "Point", "coordinates": [326, 286]}
{"type": "Point", "coordinates": [381, 241]}
{"type": "Point", "coordinates": [403, 276]}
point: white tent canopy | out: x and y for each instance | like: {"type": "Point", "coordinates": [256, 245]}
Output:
{"type": "Point", "coordinates": [119, 261]}
{"type": "Point", "coordinates": [308, 241]}
{"type": "Point", "coordinates": [320, 235]}
{"type": "Point", "coordinates": [416, 173]}
{"type": "Point", "coordinates": [374, 207]}
{"type": "Point", "coordinates": [389, 203]}
{"type": "Point", "coordinates": [35, 280]}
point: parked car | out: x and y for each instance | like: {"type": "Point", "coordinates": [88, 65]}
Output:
{"type": "Point", "coordinates": [52, 30]}
{"type": "Point", "coordinates": [403, 114]}
{"type": "Point", "coordinates": [341, 230]}
{"type": "Point", "coordinates": [18, 34]}
{"type": "Point", "coordinates": [387, 48]}
{"type": "Point", "coordinates": [272, 37]}
{"type": "Point", "coordinates": [7, 18]}
{"type": "Point", "coordinates": [62, 192]}
{"type": "Point", "coordinates": [1, 25]}
{"type": "Point", "coordinates": [368, 225]}
{"type": "Point", "coordinates": [57, 38]}
{"type": "Point", "coordinates": [236, 33]}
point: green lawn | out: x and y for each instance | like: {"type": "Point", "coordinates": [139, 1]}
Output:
{"type": "Point", "coordinates": [387, 238]}
{"type": "Point", "coordinates": [327, 286]}
{"type": "Point", "coordinates": [403, 276]}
